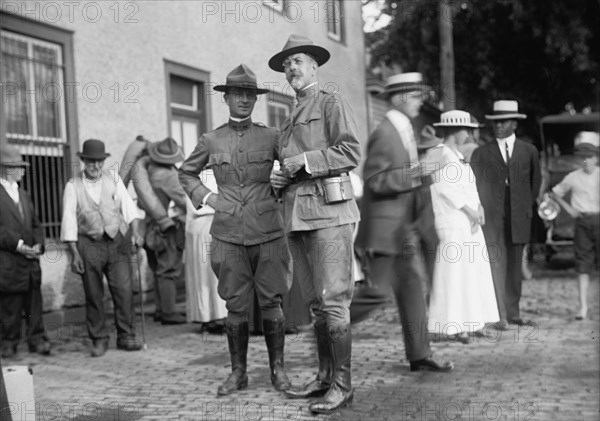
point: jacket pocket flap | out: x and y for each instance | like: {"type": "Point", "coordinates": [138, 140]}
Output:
{"type": "Point", "coordinates": [266, 206]}
{"type": "Point", "coordinates": [310, 189]}
{"type": "Point", "coordinates": [219, 158]}
{"type": "Point", "coordinates": [226, 207]}
{"type": "Point", "coordinates": [307, 118]}
{"type": "Point", "coordinates": [260, 156]}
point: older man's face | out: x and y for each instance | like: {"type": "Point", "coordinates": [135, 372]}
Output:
{"type": "Point", "coordinates": [300, 70]}
{"type": "Point", "coordinates": [504, 128]}
{"type": "Point", "coordinates": [92, 168]}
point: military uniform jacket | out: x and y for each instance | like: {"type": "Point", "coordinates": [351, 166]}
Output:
{"type": "Point", "coordinates": [323, 127]}
{"type": "Point", "coordinates": [15, 268]}
{"type": "Point", "coordinates": [241, 154]}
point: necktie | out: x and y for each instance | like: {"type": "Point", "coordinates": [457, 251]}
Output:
{"type": "Point", "coordinates": [507, 163]}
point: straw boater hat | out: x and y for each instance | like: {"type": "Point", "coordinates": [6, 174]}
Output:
{"type": "Point", "coordinates": [11, 157]}
{"type": "Point", "coordinates": [506, 110]}
{"type": "Point", "coordinates": [241, 78]}
{"type": "Point", "coordinates": [456, 118]}
{"type": "Point", "coordinates": [166, 151]}
{"type": "Point", "coordinates": [403, 83]}
{"type": "Point", "coordinates": [93, 149]}
{"type": "Point", "coordinates": [298, 44]}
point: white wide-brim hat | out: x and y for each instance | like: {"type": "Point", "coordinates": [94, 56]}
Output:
{"type": "Point", "coordinates": [404, 83]}
{"type": "Point", "coordinates": [456, 118]}
{"type": "Point", "coordinates": [506, 110]}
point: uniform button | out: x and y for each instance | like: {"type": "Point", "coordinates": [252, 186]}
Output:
{"type": "Point", "coordinates": [243, 203]}
{"type": "Point", "coordinates": [242, 185]}
{"type": "Point", "coordinates": [240, 134]}
{"type": "Point", "coordinates": [242, 168]}
{"type": "Point", "coordinates": [241, 149]}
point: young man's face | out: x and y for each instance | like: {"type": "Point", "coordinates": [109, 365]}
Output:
{"type": "Point", "coordinates": [589, 163]}
{"type": "Point", "coordinates": [300, 70]}
{"type": "Point", "coordinates": [504, 128]}
{"type": "Point", "coordinates": [241, 102]}
{"type": "Point", "coordinates": [408, 103]}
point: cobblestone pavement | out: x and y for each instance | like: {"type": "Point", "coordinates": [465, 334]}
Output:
{"type": "Point", "coordinates": [550, 372]}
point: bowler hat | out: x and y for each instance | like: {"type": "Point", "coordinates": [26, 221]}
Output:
{"type": "Point", "coordinates": [456, 118]}
{"type": "Point", "coordinates": [166, 151]}
{"type": "Point", "coordinates": [506, 110]}
{"type": "Point", "coordinates": [298, 44]}
{"type": "Point", "coordinates": [93, 149]}
{"type": "Point", "coordinates": [403, 83]}
{"type": "Point", "coordinates": [11, 157]}
{"type": "Point", "coordinates": [241, 78]}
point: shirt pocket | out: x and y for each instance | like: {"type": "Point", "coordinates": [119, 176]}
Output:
{"type": "Point", "coordinates": [259, 166]}
{"type": "Point", "coordinates": [220, 163]}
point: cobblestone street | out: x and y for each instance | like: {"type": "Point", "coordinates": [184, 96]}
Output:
{"type": "Point", "coordinates": [550, 372]}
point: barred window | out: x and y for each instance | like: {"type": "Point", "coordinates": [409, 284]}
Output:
{"type": "Point", "coordinates": [334, 19]}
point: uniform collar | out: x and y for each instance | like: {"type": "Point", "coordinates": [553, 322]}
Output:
{"type": "Point", "coordinates": [240, 124]}
{"type": "Point", "coordinates": [308, 91]}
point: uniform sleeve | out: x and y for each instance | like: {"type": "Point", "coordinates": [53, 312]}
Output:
{"type": "Point", "coordinates": [174, 191]}
{"type": "Point", "coordinates": [190, 170]}
{"type": "Point", "coordinates": [343, 147]}
{"type": "Point", "coordinates": [68, 226]}
{"type": "Point", "coordinates": [128, 209]}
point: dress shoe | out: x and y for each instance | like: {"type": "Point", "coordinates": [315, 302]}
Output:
{"type": "Point", "coordinates": [173, 319]}
{"type": "Point", "coordinates": [129, 343]}
{"type": "Point", "coordinates": [520, 322]}
{"type": "Point", "coordinates": [429, 364]}
{"type": "Point", "coordinates": [335, 398]}
{"type": "Point", "coordinates": [499, 325]}
{"type": "Point", "coordinates": [237, 380]}
{"type": "Point", "coordinates": [42, 347]}
{"type": "Point", "coordinates": [99, 348]}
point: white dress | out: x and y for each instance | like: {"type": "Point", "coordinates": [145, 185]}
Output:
{"type": "Point", "coordinates": [463, 297]}
{"type": "Point", "coordinates": [203, 303]}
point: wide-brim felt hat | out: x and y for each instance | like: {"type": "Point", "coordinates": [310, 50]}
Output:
{"type": "Point", "coordinates": [242, 77]}
{"type": "Point", "coordinates": [587, 149]}
{"type": "Point", "coordinates": [299, 44]}
{"type": "Point", "coordinates": [506, 110]}
{"type": "Point", "coordinates": [11, 157]}
{"type": "Point", "coordinates": [93, 149]}
{"type": "Point", "coordinates": [166, 151]}
{"type": "Point", "coordinates": [404, 83]}
{"type": "Point", "coordinates": [428, 139]}
{"type": "Point", "coordinates": [456, 118]}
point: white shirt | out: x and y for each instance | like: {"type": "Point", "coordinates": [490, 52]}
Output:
{"type": "Point", "coordinates": [68, 230]}
{"type": "Point", "coordinates": [584, 188]}
{"type": "Point", "coordinates": [12, 188]}
{"type": "Point", "coordinates": [511, 145]}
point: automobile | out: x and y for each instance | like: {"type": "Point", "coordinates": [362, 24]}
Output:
{"type": "Point", "coordinates": [560, 134]}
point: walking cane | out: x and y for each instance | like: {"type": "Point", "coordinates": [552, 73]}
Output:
{"type": "Point", "coordinates": [139, 276]}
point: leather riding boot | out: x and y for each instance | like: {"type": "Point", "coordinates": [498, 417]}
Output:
{"type": "Point", "coordinates": [237, 338]}
{"type": "Point", "coordinates": [274, 331]}
{"type": "Point", "coordinates": [319, 386]}
{"type": "Point", "coordinates": [340, 392]}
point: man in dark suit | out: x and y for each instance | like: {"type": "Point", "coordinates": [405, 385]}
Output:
{"type": "Point", "coordinates": [508, 177]}
{"type": "Point", "coordinates": [390, 232]}
{"type": "Point", "coordinates": [21, 244]}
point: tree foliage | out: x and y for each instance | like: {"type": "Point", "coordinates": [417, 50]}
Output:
{"type": "Point", "coordinates": [545, 54]}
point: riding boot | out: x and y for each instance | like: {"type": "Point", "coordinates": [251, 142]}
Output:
{"type": "Point", "coordinates": [320, 384]}
{"type": "Point", "coordinates": [340, 392]}
{"type": "Point", "coordinates": [274, 331]}
{"type": "Point", "coordinates": [237, 338]}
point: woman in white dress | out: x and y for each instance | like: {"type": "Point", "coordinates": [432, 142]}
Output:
{"type": "Point", "coordinates": [463, 298]}
{"type": "Point", "coordinates": [203, 303]}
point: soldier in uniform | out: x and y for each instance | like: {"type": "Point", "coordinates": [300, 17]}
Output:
{"type": "Point", "coordinates": [318, 146]}
{"type": "Point", "coordinates": [249, 250]}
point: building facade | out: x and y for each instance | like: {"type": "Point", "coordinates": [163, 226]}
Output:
{"type": "Point", "coordinates": [115, 70]}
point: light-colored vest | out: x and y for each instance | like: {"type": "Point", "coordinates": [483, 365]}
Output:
{"type": "Point", "coordinates": [95, 219]}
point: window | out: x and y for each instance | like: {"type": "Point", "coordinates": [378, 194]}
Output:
{"type": "Point", "coordinates": [187, 109]}
{"type": "Point", "coordinates": [36, 62]}
{"type": "Point", "coordinates": [275, 4]}
{"type": "Point", "coordinates": [279, 107]}
{"type": "Point", "coordinates": [334, 19]}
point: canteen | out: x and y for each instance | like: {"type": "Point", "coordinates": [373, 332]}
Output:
{"type": "Point", "coordinates": [548, 209]}
{"type": "Point", "coordinates": [337, 189]}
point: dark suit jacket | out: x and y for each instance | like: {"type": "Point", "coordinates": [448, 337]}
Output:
{"type": "Point", "coordinates": [388, 207]}
{"type": "Point", "coordinates": [15, 269]}
{"type": "Point", "coordinates": [525, 179]}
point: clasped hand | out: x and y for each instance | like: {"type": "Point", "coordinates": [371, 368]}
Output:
{"type": "Point", "coordinates": [30, 252]}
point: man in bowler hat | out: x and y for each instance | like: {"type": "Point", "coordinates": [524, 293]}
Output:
{"type": "Point", "coordinates": [21, 244]}
{"type": "Point", "coordinates": [318, 146]}
{"type": "Point", "coordinates": [249, 251]}
{"type": "Point", "coordinates": [97, 216]}
{"type": "Point", "coordinates": [508, 177]}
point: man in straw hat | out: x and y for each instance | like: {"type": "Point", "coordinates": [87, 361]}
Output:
{"type": "Point", "coordinates": [392, 207]}
{"type": "Point", "coordinates": [318, 147]}
{"type": "Point", "coordinates": [167, 234]}
{"type": "Point", "coordinates": [21, 244]}
{"type": "Point", "coordinates": [248, 251]}
{"type": "Point", "coordinates": [508, 178]}
{"type": "Point", "coordinates": [97, 216]}
{"type": "Point", "coordinates": [584, 207]}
